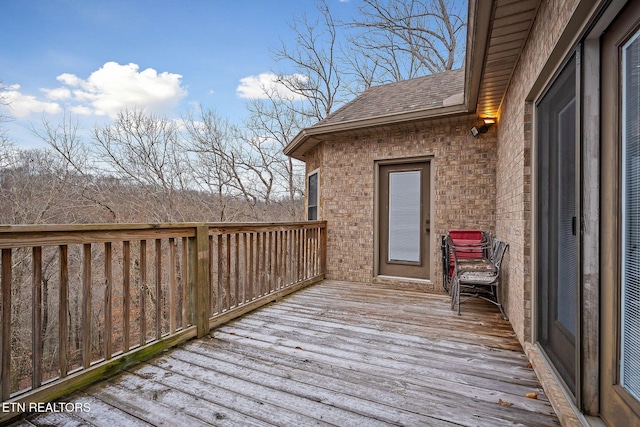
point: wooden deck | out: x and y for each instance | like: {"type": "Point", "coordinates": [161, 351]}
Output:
{"type": "Point", "coordinates": [332, 354]}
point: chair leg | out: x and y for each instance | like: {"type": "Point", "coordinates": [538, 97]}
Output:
{"type": "Point", "coordinates": [504, 315]}
{"type": "Point", "coordinates": [458, 296]}
{"type": "Point", "coordinates": [498, 303]}
{"type": "Point", "coordinates": [455, 293]}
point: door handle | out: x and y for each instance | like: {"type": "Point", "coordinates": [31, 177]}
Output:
{"type": "Point", "coordinates": [428, 227]}
{"type": "Point", "coordinates": [573, 225]}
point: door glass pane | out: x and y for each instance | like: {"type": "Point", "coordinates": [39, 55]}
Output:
{"type": "Point", "coordinates": [404, 216]}
{"type": "Point", "coordinates": [630, 352]}
{"type": "Point", "coordinates": [567, 245]}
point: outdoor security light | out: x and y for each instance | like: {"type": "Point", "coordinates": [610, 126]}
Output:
{"type": "Point", "coordinates": [475, 131]}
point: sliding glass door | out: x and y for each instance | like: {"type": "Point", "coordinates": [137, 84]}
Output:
{"type": "Point", "coordinates": [557, 223]}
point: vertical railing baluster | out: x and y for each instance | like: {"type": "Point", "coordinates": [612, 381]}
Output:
{"type": "Point", "coordinates": [293, 256]}
{"type": "Point", "coordinates": [158, 289]}
{"type": "Point", "coordinates": [192, 281]}
{"type": "Point", "coordinates": [126, 294]}
{"type": "Point", "coordinates": [251, 280]}
{"type": "Point", "coordinates": [319, 255]}
{"type": "Point", "coordinates": [213, 309]}
{"type": "Point", "coordinates": [5, 337]}
{"type": "Point", "coordinates": [285, 257]}
{"type": "Point", "coordinates": [236, 271]}
{"type": "Point", "coordinates": [257, 276]}
{"type": "Point", "coordinates": [307, 237]}
{"type": "Point", "coordinates": [265, 242]}
{"type": "Point", "coordinates": [227, 281]}
{"type": "Point", "coordinates": [143, 292]}
{"type": "Point", "coordinates": [108, 277]}
{"type": "Point", "coordinates": [36, 318]}
{"type": "Point", "coordinates": [316, 239]}
{"type": "Point", "coordinates": [300, 255]}
{"type": "Point", "coordinates": [220, 274]}
{"type": "Point", "coordinates": [273, 261]}
{"type": "Point", "coordinates": [276, 260]}
{"type": "Point", "coordinates": [276, 251]}
{"type": "Point", "coordinates": [323, 250]}
{"type": "Point", "coordinates": [279, 241]}
{"type": "Point", "coordinates": [308, 241]}
{"type": "Point", "coordinates": [267, 262]}
{"type": "Point", "coordinates": [86, 306]}
{"type": "Point", "coordinates": [63, 311]}
{"type": "Point", "coordinates": [244, 270]}
{"type": "Point", "coordinates": [185, 282]}
{"type": "Point", "coordinates": [200, 285]}
{"type": "Point", "coordinates": [172, 286]}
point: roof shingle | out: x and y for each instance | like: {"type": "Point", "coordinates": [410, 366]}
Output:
{"type": "Point", "coordinates": [422, 93]}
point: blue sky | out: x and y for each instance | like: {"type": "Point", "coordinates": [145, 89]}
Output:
{"type": "Point", "coordinates": [91, 58]}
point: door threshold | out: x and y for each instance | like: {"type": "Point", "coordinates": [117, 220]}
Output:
{"type": "Point", "coordinates": [406, 282]}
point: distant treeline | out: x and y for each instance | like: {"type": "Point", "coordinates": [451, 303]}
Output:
{"type": "Point", "coordinates": [143, 169]}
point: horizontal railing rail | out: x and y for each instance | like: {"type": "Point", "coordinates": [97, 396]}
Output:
{"type": "Point", "coordinates": [81, 302]}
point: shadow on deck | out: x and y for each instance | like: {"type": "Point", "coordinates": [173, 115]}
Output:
{"type": "Point", "coordinates": [332, 354]}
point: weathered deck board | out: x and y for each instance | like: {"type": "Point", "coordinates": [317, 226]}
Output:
{"type": "Point", "coordinates": [333, 354]}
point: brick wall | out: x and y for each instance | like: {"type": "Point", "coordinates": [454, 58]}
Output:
{"type": "Point", "coordinates": [463, 190]}
{"type": "Point", "coordinates": [514, 150]}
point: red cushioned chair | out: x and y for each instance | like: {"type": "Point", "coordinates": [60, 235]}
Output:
{"type": "Point", "coordinates": [469, 244]}
{"type": "Point", "coordinates": [476, 279]}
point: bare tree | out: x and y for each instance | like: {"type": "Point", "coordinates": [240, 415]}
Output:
{"type": "Point", "coordinates": [7, 149]}
{"type": "Point", "coordinates": [64, 139]}
{"type": "Point", "coordinates": [391, 40]}
{"type": "Point", "coordinates": [244, 170]}
{"type": "Point", "coordinates": [397, 40]}
{"type": "Point", "coordinates": [209, 141]}
{"type": "Point", "coordinates": [38, 188]}
{"type": "Point", "coordinates": [272, 125]}
{"type": "Point", "coordinates": [144, 149]}
{"type": "Point", "coordinates": [314, 57]}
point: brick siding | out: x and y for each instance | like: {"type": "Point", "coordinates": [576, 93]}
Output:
{"type": "Point", "coordinates": [463, 191]}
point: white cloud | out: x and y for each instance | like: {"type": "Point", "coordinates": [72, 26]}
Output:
{"type": "Point", "coordinates": [22, 105]}
{"type": "Point", "coordinates": [69, 79]}
{"type": "Point", "coordinates": [106, 92]}
{"type": "Point", "coordinates": [81, 110]}
{"type": "Point", "coordinates": [114, 87]}
{"type": "Point", "coordinates": [260, 86]}
{"type": "Point", "coordinates": [59, 94]}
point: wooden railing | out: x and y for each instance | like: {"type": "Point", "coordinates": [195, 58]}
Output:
{"type": "Point", "coordinates": [78, 303]}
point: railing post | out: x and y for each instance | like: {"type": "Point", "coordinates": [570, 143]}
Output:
{"type": "Point", "coordinates": [200, 297]}
{"type": "Point", "coordinates": [323, 249]}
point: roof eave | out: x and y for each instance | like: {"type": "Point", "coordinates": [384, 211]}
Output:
{"type": "Point", "coordinates": [480, 12]}
{"type": "Point", "coordinates": [309, 137]}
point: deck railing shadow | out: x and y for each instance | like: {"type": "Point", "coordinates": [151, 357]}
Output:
{"type": "Point", "coordinates": [81, 302]}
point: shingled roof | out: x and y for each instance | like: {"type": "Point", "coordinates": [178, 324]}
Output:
{"type": "Point", "coordinates": [435, 95]}
{"type": "Point", "coordinates": [422, 93]}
